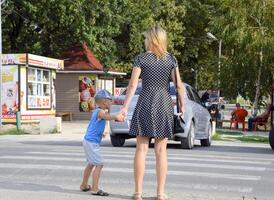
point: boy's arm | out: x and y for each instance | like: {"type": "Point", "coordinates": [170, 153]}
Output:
{"type": "Point", "coordinates": [103, 115]}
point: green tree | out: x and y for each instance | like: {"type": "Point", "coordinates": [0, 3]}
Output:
{"type": "Point", "coordinates": [247, 30]}
{"type": "Point", "coordinates": [197, 53]}
{"type": "Point", "coordinates": [62, 24]}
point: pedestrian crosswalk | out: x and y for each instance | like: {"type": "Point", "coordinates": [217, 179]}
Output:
{"type": "Point", "coordinates": [189, 171]}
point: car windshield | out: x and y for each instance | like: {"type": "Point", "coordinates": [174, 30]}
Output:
{"type": "Point", "coordinates": [172, 90]}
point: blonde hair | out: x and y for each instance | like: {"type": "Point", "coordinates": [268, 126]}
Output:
{"type": "Point", "coordinates": [156, 40]}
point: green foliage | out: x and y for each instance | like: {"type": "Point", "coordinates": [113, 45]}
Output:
{"type": "Point", "coordinates": [113, 30]}
{"type": "Point", "coordinates": [236, 136]}
{"type": "Point", "coordinates": [12, 131]}
{"type": "Point", "coordinates": [61, 22]}
{"type": "Point", "coordinates": [247, 29]}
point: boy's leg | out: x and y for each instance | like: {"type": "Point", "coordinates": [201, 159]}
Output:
{"type": "Point", "coordinates": [86, 175]}
{"type": "Point", "coordinates": [95, 178]}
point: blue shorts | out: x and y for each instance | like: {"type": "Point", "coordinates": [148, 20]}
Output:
{"type": "Point", "coordinates": [93, 154]}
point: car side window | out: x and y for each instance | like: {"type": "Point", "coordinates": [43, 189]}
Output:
{"type": "Point", "coordinates": [137, 91]}
{"type": "Point", "coordinates": [189, 93]}
{"type": "Point", "coordinates": [196, 97]}
{"type": "Point", "coordinates": [172, 90]}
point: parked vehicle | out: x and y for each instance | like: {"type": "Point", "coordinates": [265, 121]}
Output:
{"type": "Point", "coordinates": [198, 123]}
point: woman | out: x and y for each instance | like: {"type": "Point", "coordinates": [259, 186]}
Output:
{"type": "Point", "coordinates": [259, 118]}
{"type": "Point", "coordinates": [153, 115]}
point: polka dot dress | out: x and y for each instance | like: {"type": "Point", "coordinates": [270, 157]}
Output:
{"type": "Point", "coordinates": [153, 114]}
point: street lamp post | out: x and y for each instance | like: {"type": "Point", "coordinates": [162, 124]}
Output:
{"type": "Point", "coordinates": [196, 78]}
{"type": "Point", "coordinates": [105, 69]}
{"type": "Point", "coordinates": [1, 92]}
{"type": "Point", "coordinates": [211, 36]}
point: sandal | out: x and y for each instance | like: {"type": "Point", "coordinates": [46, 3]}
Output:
{"type": "Point", "coordinates": [100, 193]}
{"type": "Point", "coordinates": [162, 196]}
{"type": "Point", "coordinates": [137, 196]}
{"type": "Point", "coordinates": [85, 189]}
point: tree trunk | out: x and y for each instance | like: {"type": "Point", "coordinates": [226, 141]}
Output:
{"type": "Point", "coordinates": [258, 84]}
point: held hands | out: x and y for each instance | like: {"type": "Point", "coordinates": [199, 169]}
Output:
{"type": "Point", "coordinates": [124, 111]}
{"type": "Point", "coordinates": [120, 117]}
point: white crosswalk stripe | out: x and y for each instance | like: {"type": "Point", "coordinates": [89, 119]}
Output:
{"type": "Point", "coordinates": [170, 158]}
{"type": "Point", "coordinates": [129, 170]}
{"type": "Point", "coordinates": [201, 165]}
{"type": "Point", "coordinates": [188, 164]}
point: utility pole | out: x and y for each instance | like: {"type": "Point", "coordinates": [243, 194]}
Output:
{"type": "Point", "coordinates": [219, 67]}
{"type": "Point", "coordinates": [210, 35]}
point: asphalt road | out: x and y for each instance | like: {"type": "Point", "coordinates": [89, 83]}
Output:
{"type": "Point", "coordinates": [38, 167]}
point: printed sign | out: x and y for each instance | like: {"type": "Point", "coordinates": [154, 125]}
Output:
{"type": "Point", "coordinates": [86, 93]}
{"type": "Point", "coordinates": [40, 61]}
{"type": "Point", "coordinates": [9, 59]}
{"type": "Point", "coordinates": [9, 89]}
{"type": "Point", "coordinates": [45, 62]}
{"type": "Point", "coordinates": [119, 91]}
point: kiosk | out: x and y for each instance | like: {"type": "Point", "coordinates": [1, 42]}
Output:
{"type": "Point", "coordinates": [28, 87]}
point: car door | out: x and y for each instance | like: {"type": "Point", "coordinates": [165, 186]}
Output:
{"type": "Point", "coordinates": [195, 109]}
{"type": "Point", "coordinates": [202, 113]}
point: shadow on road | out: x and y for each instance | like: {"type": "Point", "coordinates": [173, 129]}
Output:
{"type": "Point", "coordinates": [119, 196]}
{"type": "Point", "coordinates": [34, 187]}
{"type": "Point", "coordinates": [25, 186]}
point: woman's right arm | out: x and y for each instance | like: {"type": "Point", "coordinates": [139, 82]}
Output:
{"type": "Point", "coordinates": [180, 88]}
{"type": "Point", "coordinates": [131, 87]}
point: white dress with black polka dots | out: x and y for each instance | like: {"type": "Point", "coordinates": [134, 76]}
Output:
{"type": "Point", "coordinates": [153, 114]}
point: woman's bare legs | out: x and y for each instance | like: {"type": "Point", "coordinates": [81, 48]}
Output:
{"type": "Point", "coordinates": [139, 164]}
{"type": "Point", "coordinates": [161, 166]}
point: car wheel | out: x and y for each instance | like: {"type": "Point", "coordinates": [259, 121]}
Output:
{"type": "Point", "coordinates": [188, 143]}
{"type": "Point", "coordinates": [271, 138]}
{"type": "Point", "coordinates": [207, 142]}
{"type": "Point", "coordinates": [117, 140]}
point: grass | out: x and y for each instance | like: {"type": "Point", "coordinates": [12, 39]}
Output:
{"type": "Point", "coordinates": [12, 131]}
{"type": "Point", "coordinates": [237, 136]}
{"type": "Point", "coordinates": [259, 139]}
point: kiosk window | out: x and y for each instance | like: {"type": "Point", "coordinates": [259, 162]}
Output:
{"type": "Point", "coordinates": [38, 91]}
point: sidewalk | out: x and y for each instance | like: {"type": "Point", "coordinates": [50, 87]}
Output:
{"type": "Point", "coordinates": [248, 133]}
{"type": "Point", "coordinates": [74, 127]}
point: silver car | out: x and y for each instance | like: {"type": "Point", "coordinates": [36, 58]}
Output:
{"type": "Point", "coordinates": [198, 122]}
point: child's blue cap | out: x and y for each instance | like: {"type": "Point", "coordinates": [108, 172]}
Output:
{"type": "Point", "coordinates": [103, 94]}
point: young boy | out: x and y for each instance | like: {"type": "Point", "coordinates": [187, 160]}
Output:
{"type": "Point", "coordinates": [92, 140]}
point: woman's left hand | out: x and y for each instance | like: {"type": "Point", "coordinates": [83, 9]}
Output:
{"type": "Point", "coordinates": [124, 112]}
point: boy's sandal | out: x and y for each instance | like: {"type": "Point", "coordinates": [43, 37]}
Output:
{"type": "Point", "coordinates": [137, 196]}
{"type": "Point", "coordinates": [85, 189]}
{"type": "Point", "coordinates": [100, 193]}
{"type": "Point", "coordinates": [162, 196]}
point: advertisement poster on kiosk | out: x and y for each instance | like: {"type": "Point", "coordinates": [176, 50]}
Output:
{"type": "Point", "coordinates": [10, 90]}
